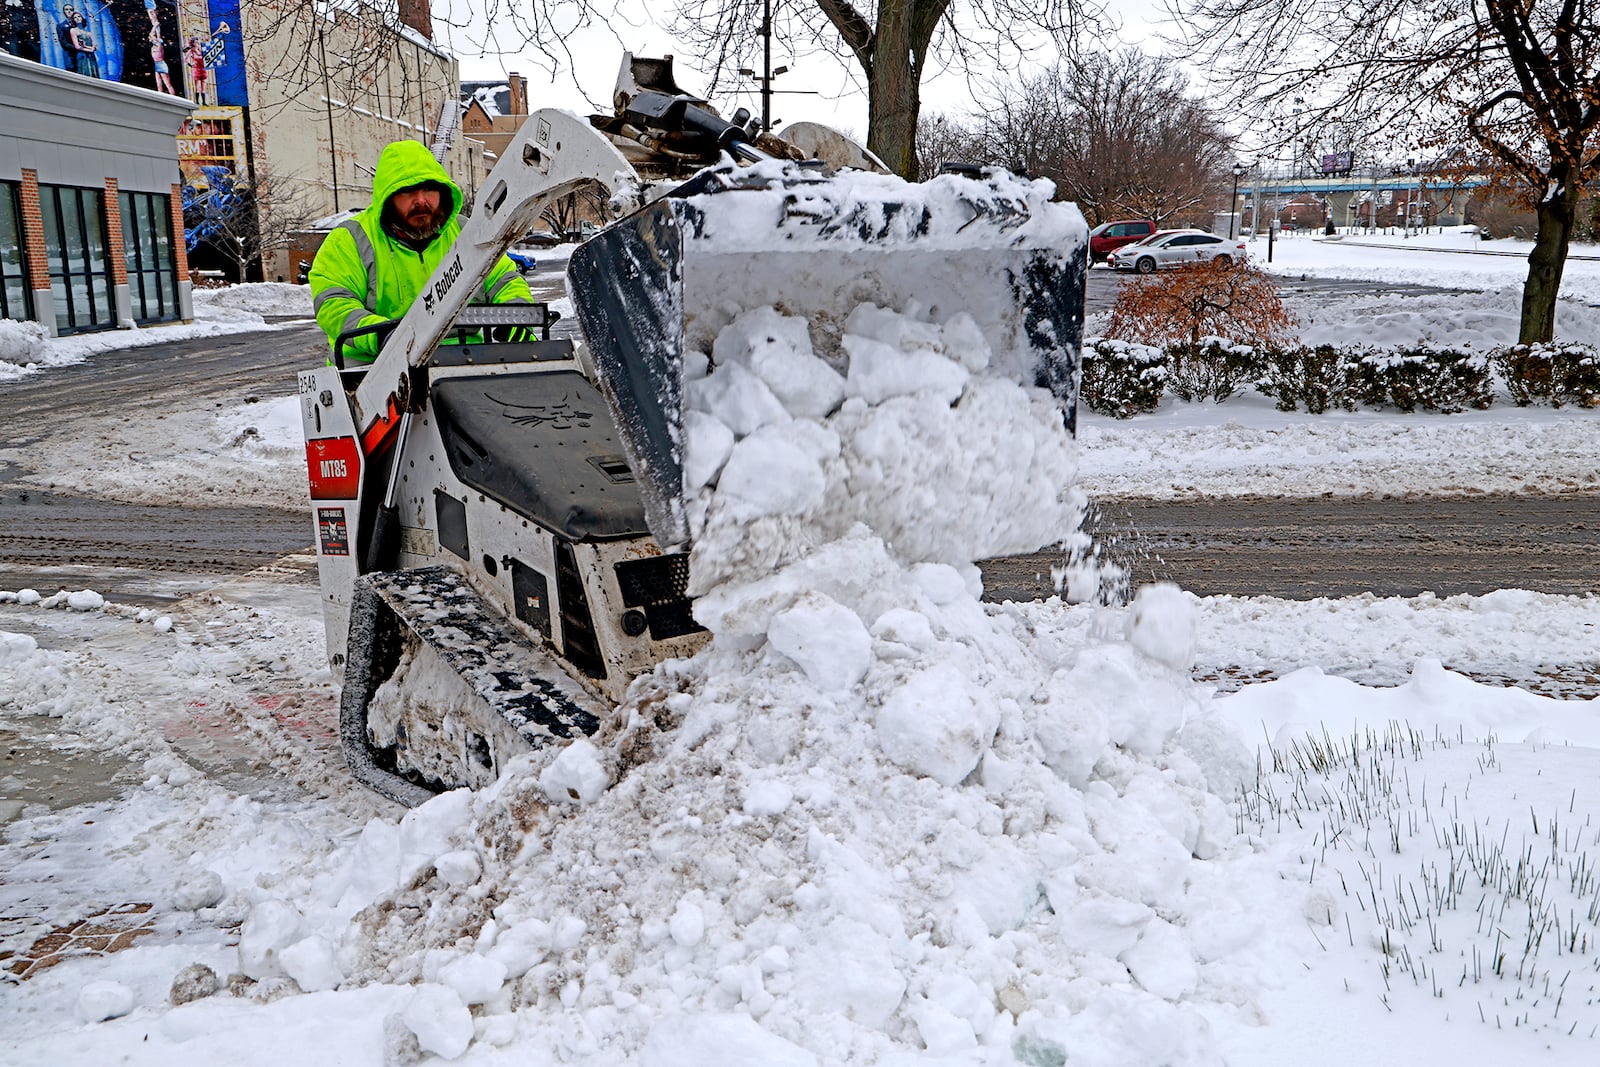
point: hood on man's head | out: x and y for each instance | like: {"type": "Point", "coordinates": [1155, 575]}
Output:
{"type": "Point", "coordinates": [403, 164]}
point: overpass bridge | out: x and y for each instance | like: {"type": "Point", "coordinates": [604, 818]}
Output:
{"type": "Point", "coordinates": [1435, 198]}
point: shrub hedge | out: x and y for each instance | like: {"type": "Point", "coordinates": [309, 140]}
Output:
{"type": "Point", "coordinates": [1122, 379]}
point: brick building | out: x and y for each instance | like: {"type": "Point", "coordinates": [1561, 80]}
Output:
{"type": "Point", "coordinates": [91, 216]}
{"type": "Point", "coordinates": [493, 111]}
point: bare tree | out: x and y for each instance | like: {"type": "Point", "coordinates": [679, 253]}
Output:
{"type": "Point", "coordinates": [889, 47]}
{"type": "Point", "coordinates": [565, 214]}
{"type": "Point", "coordinates": [1119, 134]}
{"type": "Point", "coordinates": [894, 44]}
{"type": "Point", "coordinates": [1518, 80]}
{"type": "Point", "coordinates": [945, 139]}
{"type": "Point", "coordinates": [246, 221]}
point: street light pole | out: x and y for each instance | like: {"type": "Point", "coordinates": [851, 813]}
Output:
{"type": "Point", "coordinates": [766, 66]}
{"type": "Point", "coordinates": [1233, 200]}
{"type": "Point", "coordinates": [768, 75]}
{"type": "Point", "coordinates": [1411, 165]}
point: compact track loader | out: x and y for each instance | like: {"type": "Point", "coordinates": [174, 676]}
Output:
{"type": "Point", "coordinates": [501, 535]}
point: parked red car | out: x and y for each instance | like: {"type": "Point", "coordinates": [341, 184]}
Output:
{"type": "Point", "coordinates": [1107, 237]}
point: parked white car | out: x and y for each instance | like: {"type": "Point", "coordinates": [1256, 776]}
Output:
{"type": "Point", "coordinates": [1174, 248]}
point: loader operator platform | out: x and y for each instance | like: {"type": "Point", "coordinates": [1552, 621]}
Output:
{"type": "Point", "coordinates": [371, 267]}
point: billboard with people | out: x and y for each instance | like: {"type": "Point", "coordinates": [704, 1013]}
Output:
{"type": "Point", "coordinates": [135, 42]}
{"type": "Point", "coordinates": [189, 48]}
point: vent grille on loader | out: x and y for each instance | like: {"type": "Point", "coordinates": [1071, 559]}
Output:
{"type": "Point", "coordinates": [658, 585]}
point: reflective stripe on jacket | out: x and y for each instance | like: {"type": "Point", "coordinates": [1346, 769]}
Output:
{"type": "Point", "coordinates": [362, 276]}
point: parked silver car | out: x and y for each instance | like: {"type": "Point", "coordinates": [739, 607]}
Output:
{"type": "Point", "coordinates": [1174, 248]}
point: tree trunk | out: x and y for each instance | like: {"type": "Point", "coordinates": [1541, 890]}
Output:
{"type": "Point", "coordinates": [1546, 263]}
{"type": "Point", "coordinates": [894, 92]}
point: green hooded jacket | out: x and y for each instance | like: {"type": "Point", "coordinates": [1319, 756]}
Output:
{"type": "Point", "coordinates": [362, 275]}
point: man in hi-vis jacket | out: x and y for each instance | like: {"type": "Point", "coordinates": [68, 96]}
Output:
{"type": "Point", "coordinates": [371, 267]}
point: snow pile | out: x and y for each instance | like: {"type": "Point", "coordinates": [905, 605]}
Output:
{"type": "Point", "coordinates": [874, 818]}
{"type": "Point", "coordinates": [1247, 447]}
{"type": "Point", "coordinates": [1386, 321]}
{"type": "Point", "coordinates": [26, 347]}
{"type": "Point", "coordinates": [256, 298]}
{"type": "Point", "coordinates": [21, 346]}
{"type": "Point", "coordinates": [1437, 259]}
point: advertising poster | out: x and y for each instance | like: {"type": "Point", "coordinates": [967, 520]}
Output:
{"type": "Point", "coordinates": [130, 41]}
{"type": "Point", "coordinates": [212, 53]}
{"type": "Point", "coordinates": [211, 142]}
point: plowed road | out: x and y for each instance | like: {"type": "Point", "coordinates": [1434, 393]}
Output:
{"type": "Point", "coordinates": [1288, 548]}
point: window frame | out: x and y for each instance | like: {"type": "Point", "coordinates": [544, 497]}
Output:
{"type": "Point", "coordinates": [97, 292]}
{"type": "Point", "coordinates": [152, 283]}
{"type": "Point", "coordinates": [11, 200]}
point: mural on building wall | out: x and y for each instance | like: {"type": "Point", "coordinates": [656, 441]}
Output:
{"type": "Point", "coordinates": [130, 41]}
{"type": "Point", "coordinates": [213, 145]}
{"type": "Point", "coordinates": [211, 138]}
{"type": "Point", "coordinates": [213, 53]}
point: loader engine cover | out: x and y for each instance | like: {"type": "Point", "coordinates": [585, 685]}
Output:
{"type": "Point", "coordinates": [542, 445]}
{"type": "Point", "coordinates": [664, 281]}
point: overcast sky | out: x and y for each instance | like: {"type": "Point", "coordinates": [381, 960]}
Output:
{"type": "Point", "coordinates": [829, 96]}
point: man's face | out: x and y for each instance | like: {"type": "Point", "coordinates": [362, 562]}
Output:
{"type": "Point", "coordinates": [418, 208]}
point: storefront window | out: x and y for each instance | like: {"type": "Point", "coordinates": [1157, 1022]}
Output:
{"type": "Point", "coordinates": [16, 302]}
{"type": "Point", "coordinates": [147, 246]}
{"type": "Point", "coordinates": [74, 241]}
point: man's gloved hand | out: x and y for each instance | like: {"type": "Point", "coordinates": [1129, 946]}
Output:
{"type": "Point", "coordinates": [504, 334]}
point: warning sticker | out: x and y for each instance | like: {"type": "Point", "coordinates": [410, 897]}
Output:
{"type": "Point", "coordinates": [332, 532]}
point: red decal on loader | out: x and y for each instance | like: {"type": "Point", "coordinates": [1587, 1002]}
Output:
{"type": "Point", "coordinates": [334, 465]}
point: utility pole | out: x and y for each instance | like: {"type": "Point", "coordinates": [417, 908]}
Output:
{"type": "Point", "coordinates": [327, 100]}
{"type": "Point", "coordinates": [766, 66]}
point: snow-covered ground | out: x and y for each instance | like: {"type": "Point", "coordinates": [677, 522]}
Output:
{"type": "Point", "coordinates": [881, 822]}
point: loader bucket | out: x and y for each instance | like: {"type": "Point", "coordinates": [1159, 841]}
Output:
{"type": "Point", "coordinates": [667, 279]}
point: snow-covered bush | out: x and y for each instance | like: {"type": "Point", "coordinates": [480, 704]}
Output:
{"type": "Point", "coordinates": [1554, 374]}
{"type": "Point", "coordinates": [1422, 376]}
{"type": "Point", "coordinates": [1318, 378]}
{"type": "Point", "coordinates": [1212, 368]}
{"type": "Point", "coordinates": [1121, 378]}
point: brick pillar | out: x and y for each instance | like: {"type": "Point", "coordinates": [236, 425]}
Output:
{"type": "Point", "coordinates": [38, 263]}
{"type": "Point", "coordinates": [418, 15]}
{"type": "Point", "coordinates": [180, 247]}
{"type": "Point", "coordinates": [117, 256]}
{"type": "Point", "coordinates": [116, 249]}
{"type": "Point", "coordinates": [33, 232]}
{"type": "Point", "coordinates": [180, 255]}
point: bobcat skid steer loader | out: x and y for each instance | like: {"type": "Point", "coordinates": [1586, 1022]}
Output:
{"type": "Point", "coordinates": [500, 528]}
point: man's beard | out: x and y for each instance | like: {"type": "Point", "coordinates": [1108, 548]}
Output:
{"type": "Point", "coordinates": [422, 224]}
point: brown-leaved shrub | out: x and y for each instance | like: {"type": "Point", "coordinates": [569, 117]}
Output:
{"type": "Point", "coordinates": [1237, 303]}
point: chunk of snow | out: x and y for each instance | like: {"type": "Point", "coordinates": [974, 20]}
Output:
{"type": "Point", "coordinates": [825, 639]}
{"type": "Point", "coordinates": [101, 999]}
{"type": "Point", "coordinates": [475, 978]}
{"type": "Point", "coordinates": [937, 723]}
{"type": "Point", "coordinates": [312, 963]}
{"type": "Point", "coordinates": [272, 926]}
{"type": "Point", "coordinates": [578, 774]}
{"type": "Point", "coordinates": [1162, 624]}
{"type": "Point", "coordinates": [442, 1023]}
